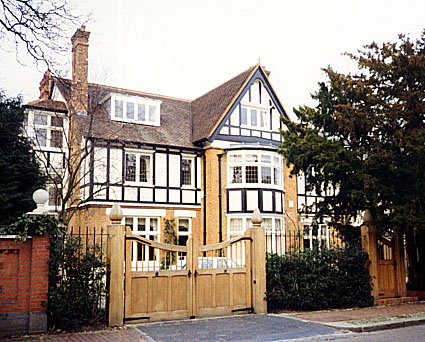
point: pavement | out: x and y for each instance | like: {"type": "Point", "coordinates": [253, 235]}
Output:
{"type": "Point", "coordinates": [280, 326]}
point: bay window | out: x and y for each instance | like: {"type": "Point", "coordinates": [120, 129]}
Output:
{"type": "Point", "coordinates": [261, 168]}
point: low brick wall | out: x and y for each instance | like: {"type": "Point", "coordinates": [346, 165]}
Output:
{"type": "Point", "coordinates": [23, 285]}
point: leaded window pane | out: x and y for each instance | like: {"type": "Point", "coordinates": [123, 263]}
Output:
{"type": "Point", "coordinates": [118, 108]}
{"type": "Point", "coordinates": [236, 225]}
{"type": "Point", "coordinates": [56, 121]}
{"type": "Point", "coordinates": [144, 168]}
{"type": "Point", "coordinates": [183, 225]}
{"type": "Point", "coordinates": [56, 138]}
{"type": "Point", "coordinates": [141, 115]}
{"type": "Point", "coordinates": [251, 158]}
{"type": "Point", "coordinates": [152, 112]}
{"type": "Point", "coordinates": [251, 175]}
{"type": "Point", "coordinates": [244, 116]}
{"type": "Point", "coordinates": [266, 175]}
{"type": "Point", "coordinates": [40, 119]}
{"type": "Point", "coordinates": [130, 167]}
{"type": "Point", "coordinates": [237, 174]}
{"type": "Point", "coordinates": [186, 172]}
{"type": "Point", "coordinates": [41, 136]}
{"type": "Point", "coordinates": [254, 117]}
{"type": "Point", "coordinates": [130, 110]}
{"type": "Point", "coordinates": [141, 224]}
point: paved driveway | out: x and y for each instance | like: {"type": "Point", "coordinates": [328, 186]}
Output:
{"type": "Point", "coordinates": [244, 328]}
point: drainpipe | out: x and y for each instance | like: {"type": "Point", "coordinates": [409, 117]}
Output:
{"type": "Point", "coordinates": [220, 214]}
{"type": "Point", "coordinates": [205, 198]}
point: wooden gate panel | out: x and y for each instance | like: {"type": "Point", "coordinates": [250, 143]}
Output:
{"type": "Point", "coordinates": [194, 281]}
{"type": "Point", "coordinates": [386, 269]}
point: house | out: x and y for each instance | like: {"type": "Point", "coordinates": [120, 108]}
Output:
{"type": "Point", "coordinates": [207, 163]}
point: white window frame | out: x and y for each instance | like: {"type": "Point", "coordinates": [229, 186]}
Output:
{"type": "Point", "coordinates": [145, 264]}
{"type": "Point", "coordinates": [147, 102]}
{"type": "Point", "coordinates": [319, 236]}
{"type": "Point", "coordinates": [32, 128]}
{"type": "Point", "coordinates": [192, 171]}
{"type": "Point", "coordinates": [272, 234]}
{"type": "Point", "coordinates": [138, 154]}
{"type": "Point", "coordinates": [259, 110]}
{"type": "Point", "coordinates": [276, 162]}
{"type": "Point", "coordinates": [183, 233]}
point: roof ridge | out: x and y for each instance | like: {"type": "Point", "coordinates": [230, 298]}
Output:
{"type": "Point", "coordinates": [128, 90]}
{"type": "Point", "coordinates": [230, 79]}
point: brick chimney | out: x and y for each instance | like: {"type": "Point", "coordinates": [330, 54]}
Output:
{"type": "Point", "coordinates": [80, 66]}
{"type": "Point", "coordinates": [45, 85]}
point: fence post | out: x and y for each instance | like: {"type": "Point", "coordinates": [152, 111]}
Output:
{"type": "Point", "coordinates": [369, 244]}
{"type": "Point", "coordinates": [116, 237]}
{"type": "Point", "coordinates": [258, 264]}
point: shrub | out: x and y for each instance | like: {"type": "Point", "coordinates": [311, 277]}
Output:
{"type": "Point", "coordinates": [318, 279]}
{"type": "Point", "coordinates": [76, 283]}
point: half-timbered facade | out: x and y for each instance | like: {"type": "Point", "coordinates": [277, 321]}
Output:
{"type": "Point", "coordinates": [207, 163]}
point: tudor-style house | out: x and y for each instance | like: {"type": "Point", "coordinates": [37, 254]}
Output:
{"type": "Point", "coordinates": [206, 163]}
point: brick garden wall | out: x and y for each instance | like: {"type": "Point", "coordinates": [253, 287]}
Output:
{"type": "Point", "coordinates": [23, 285]}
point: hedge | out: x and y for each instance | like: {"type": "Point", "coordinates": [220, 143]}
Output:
{"type": "Point", "coordinates": [318, 279]}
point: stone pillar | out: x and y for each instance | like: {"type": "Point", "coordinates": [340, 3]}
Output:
{"type": "Point", "coordinates": [400, 266]}
{"type": "Point", "coordinates": [116, 241]}
{"type": "Point", "coordinates": [258, 264]}
{"type": "Point", "coordinates": [369, 244]}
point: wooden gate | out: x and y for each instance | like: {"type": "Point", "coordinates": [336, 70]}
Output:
{"type": "Point", "coordinates": [165, 281]}
{"type": "Point", "coordinates": [386, 268]}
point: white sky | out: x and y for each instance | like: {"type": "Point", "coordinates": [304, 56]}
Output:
{"type": "Point", "coordinates": [185, 48]}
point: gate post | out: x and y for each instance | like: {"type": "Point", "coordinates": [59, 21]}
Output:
{"type": "Point", "coordinates": [400, 266]}
{"type": "Point", "coordinates": [258, 264]}
{"type": "Point", "coordinates": [116, 237]}
{"type": "Point", "coordinates": [369, 244]}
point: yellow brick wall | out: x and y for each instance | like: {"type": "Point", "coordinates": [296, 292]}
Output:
{"type": "Point", "coordinates": [212, 192]}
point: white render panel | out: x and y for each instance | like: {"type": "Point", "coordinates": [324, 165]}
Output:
{"type": "Point", "coordinates": [160, 195]}
{"type": "Point", "coordinates": [256, 134]}
{"type": "Point", "coordinates": [56, 160]}
{"type": "Point", "coordinates": [174, 171]}
{"type": "Point", "coordinates": [115, 193]}
{"type": "Point", "coordinates": [245, 132]}
{"type": "Point", "coordinates": [234, 131]}
{"type": "Point", "coordinates": [174, 196]}
{"type": "Point", "coordinates": [99, 192]}
{"type": "Point", "coordinates": [100, 162]}
{"type": "Point", "coordinates": [278, 200]}
{"type": "Point", "coordinates": [251, 199]}
{"type": "Point", "coordinates": [267, 201]}
{"type": "Point", "coordinates": [224, 130]}
{"type": "Point", "coordinates": [266, 135]}
{"type": "Point", "coordinates": [235, 200]}
{"type": "Point", "coordinates": [139, 212]}
{"type": "Point", "coordinates": [234, 117]}
{"type": "Point", "coordinates": [198, 176]}
{"type": "Point", "coordinates": [146, 194]}
{"type": "Point", "coordinates": [276, 136]}
{"type": "Point", "coordinates": [130, 194]}
{"type": "Point", "coordinates": [301, 184]}
{"type": "Point", "coordinates": [115, 173]}
{"type": "Point", "coordinates": [188, 196]}
{"type": "Point", "coordinates": [160, 169]}
{"type": "Point", "coordinates": [200, 193]}
{"type": "Point", "coordinates": [185, 213]}
{"type": "Point", "coordinates": [275, 120]}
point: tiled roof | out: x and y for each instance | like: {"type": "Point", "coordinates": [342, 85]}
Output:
{"type": "Point", "coordinates": [209, 109]}
{"type": "Point", "coordinates": [46, 104]}
{"type": "Point", "coordinates": [174, 130]}
{"type": "Point", "coordinates": [183, 122]}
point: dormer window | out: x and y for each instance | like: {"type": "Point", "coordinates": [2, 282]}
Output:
{"type": "Point", "coordinates": [133, 109]}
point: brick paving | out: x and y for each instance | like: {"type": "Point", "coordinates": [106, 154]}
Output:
{"type": "Point", "coordinates": [125, 335]}
{"type": "Point", "coordinates": [362, 313]}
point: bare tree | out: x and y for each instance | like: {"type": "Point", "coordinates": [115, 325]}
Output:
{"type": "Point", "coordinates": [38, 26]}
